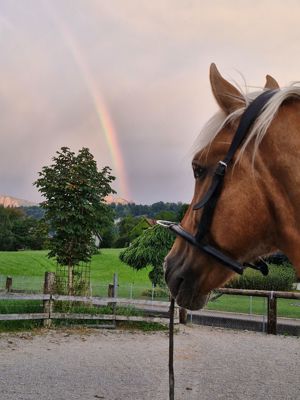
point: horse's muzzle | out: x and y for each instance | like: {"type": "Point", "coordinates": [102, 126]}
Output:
{"type": "Point", "coordinates": [183, 289]}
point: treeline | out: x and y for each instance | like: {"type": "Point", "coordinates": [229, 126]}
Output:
{"type": "Point", "coordinates": [151, 211]}
{"type": "Point", "coordinates": [35, 212]}
{"type": "Point", "coordinates": [19, 231]}
{"type": "Point", "coordinates": [123, 210]}
{"type": "Point", "coordinates": [24, 228]}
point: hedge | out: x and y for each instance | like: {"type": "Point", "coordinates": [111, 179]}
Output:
{"type": "Point", "coordinates": [280, 278]}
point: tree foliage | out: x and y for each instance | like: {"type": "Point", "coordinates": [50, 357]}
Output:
{"type": "Point", "coordinates": [149, 250]}
{"type": "Point", "coordinates": [166, 215]}
{"type": "Point", "coordinates": [74, 206]}
{"type": "Point", "coordinates": [17, 231]}
{"type": "Point", "coordinates": [125, 230]}
{"type": "Point", "coordinates": [35, 212]}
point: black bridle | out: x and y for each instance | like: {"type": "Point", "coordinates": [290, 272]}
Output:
{"type": "Point", "coordinates": [209, 201]}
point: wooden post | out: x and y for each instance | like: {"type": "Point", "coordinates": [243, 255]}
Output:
{"type": "Point", "coordinates": [272, 314]}
{"type": "Point", "coordinates": [182, 315]}
{"type": "Point", "coordinates": [8, 285]}
{"type": "Point", "coordinates": [113, 292]}
{"type": "Point", "coordinates": [49, 285]}
{"type": "Point", "coordinates": [110, 291]}
{"type": "Point", "coordinates": [116, 285]}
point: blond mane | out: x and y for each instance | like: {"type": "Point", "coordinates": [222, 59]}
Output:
{"type": "Point", "coordinates": [261, 125]}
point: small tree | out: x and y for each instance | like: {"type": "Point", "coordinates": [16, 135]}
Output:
{"type": "Point", "coordinates": [150, 249]}
{"type": "Point", "coordinates": [74, 190]}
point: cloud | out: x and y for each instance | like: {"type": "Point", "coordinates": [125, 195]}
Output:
{"type": "Point", "coordinates": [149, 61]}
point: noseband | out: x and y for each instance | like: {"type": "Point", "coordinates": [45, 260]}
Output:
{"type": "Point", "coordinates": [209, 201]}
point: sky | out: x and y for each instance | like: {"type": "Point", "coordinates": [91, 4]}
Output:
{"type": "Point", "coordinates": [129, 80]}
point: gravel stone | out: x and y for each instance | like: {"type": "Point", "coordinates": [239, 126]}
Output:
{"type": "Point", "coordinates": [210, 363]}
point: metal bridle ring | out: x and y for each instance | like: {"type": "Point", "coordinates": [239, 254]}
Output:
{"type": "Point", "coordinates": [165, 224]}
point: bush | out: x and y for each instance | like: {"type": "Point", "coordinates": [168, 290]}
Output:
{"type": "Point", "coordinates": [279, 278]}
{"type": "Point", "coordinates": [149, 250]}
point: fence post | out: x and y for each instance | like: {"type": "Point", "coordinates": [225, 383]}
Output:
{"type": "Point", "coordinates": [8, 284]}
{"type": "Point", "coordinates": [250, 304]}
{"type": "Point", "coordinates": [272, 314]}
{"type": "Point", "coordinates": [49, 285]}
{"type": "Point", "coordinates": [113, 292]}
{"type": "Point", "coordinates": [131, 290]}
{"type": "Point", "coordinates": [110, 290]}
{"type": "Point", "coordinates": [182, 315]}
{"type": "Point", "coordinates": [116, 285]}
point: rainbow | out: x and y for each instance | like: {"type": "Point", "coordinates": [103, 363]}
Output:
{"type": "Point", "coordinates": [105, 121]}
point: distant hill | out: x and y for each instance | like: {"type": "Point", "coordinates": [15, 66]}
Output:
{"type": "Point", "coordinates": [116, 200]}
{"type": "Point", "coordinates": [9, 201]}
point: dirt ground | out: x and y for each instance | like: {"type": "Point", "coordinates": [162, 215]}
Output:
{"type": "Point", "coordinates": [115, 365]}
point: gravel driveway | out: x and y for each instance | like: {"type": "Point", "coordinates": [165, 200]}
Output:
{"type": "Point", "coordinates": [115, 365]}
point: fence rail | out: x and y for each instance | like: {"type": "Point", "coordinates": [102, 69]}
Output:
{"type": "Point", "coordinates": [272, 297]}
{"type": "Point", "coordinates": [49, 314]}
{"type": "Point", "coordinates": [24, 317]}
{"type": "Point", "coordinates": [261, 293]}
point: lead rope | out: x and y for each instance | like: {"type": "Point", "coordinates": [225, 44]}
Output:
{"type": "Point", "coordinates": [171, 350]}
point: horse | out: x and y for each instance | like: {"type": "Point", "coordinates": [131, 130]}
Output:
{"type": "Point", "coordinates": [254, 210]}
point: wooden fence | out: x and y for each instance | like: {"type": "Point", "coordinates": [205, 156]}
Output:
{"type": "Point", "coordinates": [272, 297]}
{"type": "Point", "coordinates": [49, 314]}
{"type": "Point", "coordinates": [49, 299]}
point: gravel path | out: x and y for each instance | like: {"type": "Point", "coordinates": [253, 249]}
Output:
{"type": "Point", "coordinates": [117, 365]}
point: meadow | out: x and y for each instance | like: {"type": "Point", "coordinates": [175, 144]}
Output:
{"type": "Point", "coordinates": [27, 268]}
{"type": "Point", "coordinates": [255, 305]}
{"type": "Point", "coordinates": [103, 266]}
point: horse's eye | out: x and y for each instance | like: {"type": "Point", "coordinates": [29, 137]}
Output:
{"type": "Point", "coordinates": [199, 172]}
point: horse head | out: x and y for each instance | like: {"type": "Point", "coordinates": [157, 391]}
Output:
{"type": "Point", "coordinates": [244, 222]}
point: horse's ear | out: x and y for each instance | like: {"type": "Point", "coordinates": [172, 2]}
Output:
{"type": "Point", "coordinates": [271, 83]}
{"type": "Point", "coordinates": [227, 96]}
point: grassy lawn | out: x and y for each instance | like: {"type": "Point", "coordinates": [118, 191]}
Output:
{"type": "Point", "coordinates": [242, 304]}
{"type": "Point", "coordinates": [28, 269]}
{"type": "Point", "coordinates": [25, 263]}
{"type": "Point", "coordinates": [103, 266]}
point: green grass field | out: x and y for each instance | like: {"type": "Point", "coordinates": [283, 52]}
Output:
{"type": "Point", "coordinates": [103, 266]}
{"type": "Point", "coordinates": [28, 269]}
{"type": "Point", "coordinates": [258, 305]}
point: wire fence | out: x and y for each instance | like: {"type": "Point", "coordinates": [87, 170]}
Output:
{"type": "Point", "coordinates": [35, 285]}
{"type": "Point", "coordinates": [23, 284]}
